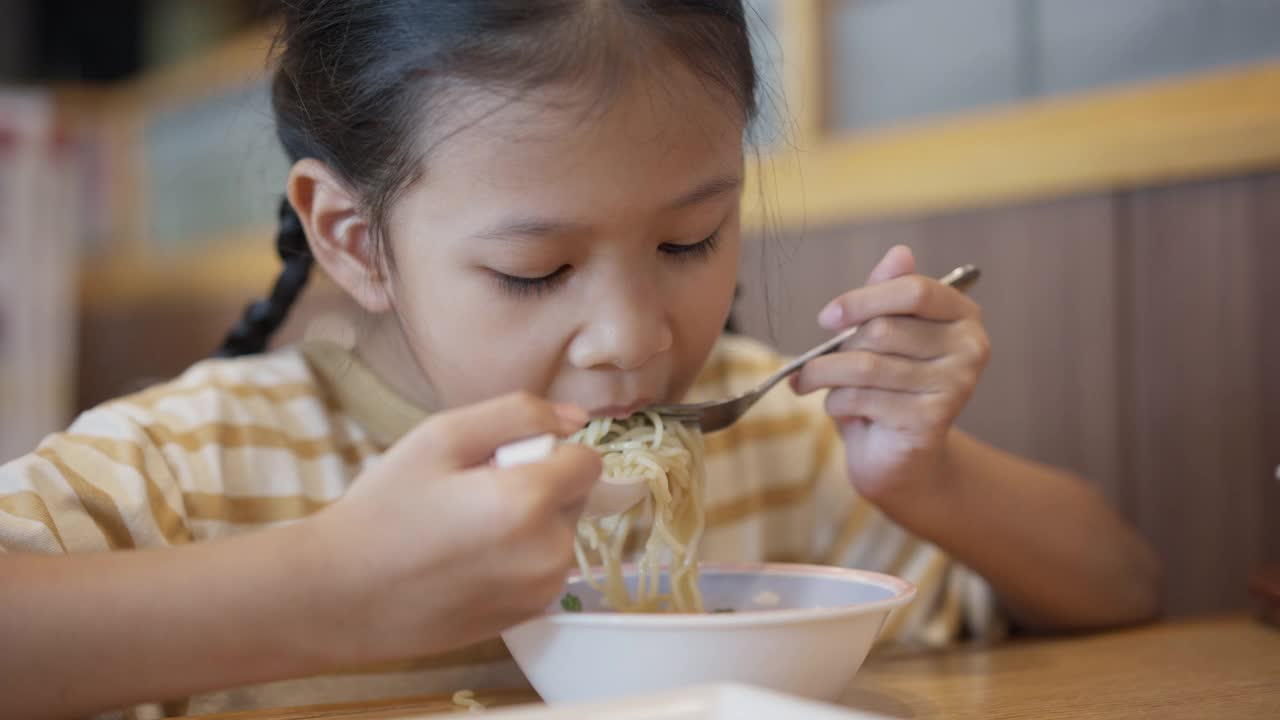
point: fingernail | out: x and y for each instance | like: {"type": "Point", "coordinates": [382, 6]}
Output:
{"type": "Point", "coordinates": [572, 416]}
{"type": "Point", "coordinates": [830, 316]}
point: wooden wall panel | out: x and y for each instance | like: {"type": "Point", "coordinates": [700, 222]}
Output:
{"type": "Point", "coordinates": [1199, 447]}
{"type": "Point", "coordinates": [1267, 283]}
{"type": "Point", "coordinates": [125, 347]}
{"type": "Point", "coordinates": [1049, 294]}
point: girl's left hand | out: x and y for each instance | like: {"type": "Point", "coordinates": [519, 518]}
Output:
{"type": "Point", "coordinates": [900, 382]}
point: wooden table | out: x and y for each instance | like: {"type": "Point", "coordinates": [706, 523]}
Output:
{"type": "Point", "coordinates": [1219, 668]}
{"type": "Point", "coordinates": [1222, 668]}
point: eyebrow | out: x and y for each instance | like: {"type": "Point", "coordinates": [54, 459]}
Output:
{"type": "Point", "coordinates": [707, 190]}
{"type": "Point", "coordinates": [533, 228]}
{"type": "Point", "coordinates": [526, 229]}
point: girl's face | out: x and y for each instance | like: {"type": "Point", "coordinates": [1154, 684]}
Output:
{"type": "Point", "coordinates": [585, 254]}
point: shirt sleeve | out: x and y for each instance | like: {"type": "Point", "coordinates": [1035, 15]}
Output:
{"type": "Point", "coordinates": [103, 484]}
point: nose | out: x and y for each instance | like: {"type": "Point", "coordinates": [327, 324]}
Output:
{"type": "Point", "coordinates": [625, 329]}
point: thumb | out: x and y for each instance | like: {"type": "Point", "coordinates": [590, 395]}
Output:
{"type": "Point", "coordinates": [469, 436]}
{"type": "Point", "coordinates": [897, 262]}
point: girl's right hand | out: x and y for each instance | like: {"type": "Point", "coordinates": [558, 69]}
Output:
{"type": "Point", "coordinates": [434, 548]}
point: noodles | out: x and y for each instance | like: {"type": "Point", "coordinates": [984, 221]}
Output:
{"type": "Point", "coordinates": [669, 457]}
{"type": "Point", "coordinates": [466, 699]}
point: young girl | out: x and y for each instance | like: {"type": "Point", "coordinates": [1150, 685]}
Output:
{"type": "Point", "coordinates": [536, 206]}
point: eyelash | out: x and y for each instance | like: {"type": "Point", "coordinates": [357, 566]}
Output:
{"type": "Point", "coordinates": [533, 287]}
{"type": "Point", "coordinates": [530, 287]}
{"type": "Point", "coordinates": [696, 251]}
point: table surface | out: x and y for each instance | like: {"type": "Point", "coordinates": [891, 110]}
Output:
{"type": "Point", "coordinates": [1219, 668]}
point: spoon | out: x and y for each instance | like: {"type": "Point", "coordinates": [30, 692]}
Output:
{"type": "Point", "coordinates": [716, 415]}
{"type": "Point", "coordinates": [609, 496]}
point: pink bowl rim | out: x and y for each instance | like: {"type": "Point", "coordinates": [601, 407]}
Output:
{"type": "Point", "coordinates": [903, 591]}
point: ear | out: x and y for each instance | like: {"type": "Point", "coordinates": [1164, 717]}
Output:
{"type": "Point", "coordinates": [338, 233]}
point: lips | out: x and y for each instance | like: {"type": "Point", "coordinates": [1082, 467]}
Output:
{"type": "Point", "coordinates": [620, 411]}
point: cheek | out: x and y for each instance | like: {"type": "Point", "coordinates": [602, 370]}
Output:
{"type": "Point", "coordinates": [712, 291]}
{"type": "Point", "coordinates": [702, 306]}
{"type": "Point", "coordinates": [471, 344]}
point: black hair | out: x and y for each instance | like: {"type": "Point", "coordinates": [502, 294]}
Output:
{"type": "Point", "coordinates": [356, 78]}
{"type": "Point", "coordinates": [263, 317]}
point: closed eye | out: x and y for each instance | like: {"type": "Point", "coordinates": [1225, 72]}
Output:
{"type": "Point", "coordinates": [530, 286]}
{"type": "Point", "coordinates": [694, 251]}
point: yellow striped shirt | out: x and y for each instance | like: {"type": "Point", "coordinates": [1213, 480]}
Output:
{"type": "Point", "coordinates": [235, 445]}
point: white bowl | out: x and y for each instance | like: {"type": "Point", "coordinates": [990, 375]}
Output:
{"type": "Point", "coordinates": [798, 629]}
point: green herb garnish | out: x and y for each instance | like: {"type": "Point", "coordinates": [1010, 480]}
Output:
{"type": "Point", "coordinates": [571, 603]}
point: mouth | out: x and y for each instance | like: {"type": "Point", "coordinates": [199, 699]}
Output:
{"type": "Point", "coordinates": [619, 412]}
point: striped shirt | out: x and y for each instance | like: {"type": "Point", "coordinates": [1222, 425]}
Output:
{"type": "Point", "coordinates": [235, 445]}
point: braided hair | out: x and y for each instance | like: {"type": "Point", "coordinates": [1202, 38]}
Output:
{"type": "Point", "coordinates": [263, 317]}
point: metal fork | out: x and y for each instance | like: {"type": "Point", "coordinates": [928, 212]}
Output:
{"type": "Point", "coordinates": [716, 415]}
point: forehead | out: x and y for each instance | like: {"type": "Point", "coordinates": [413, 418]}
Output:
{"type": "Point", "coordinates": [660, 133]}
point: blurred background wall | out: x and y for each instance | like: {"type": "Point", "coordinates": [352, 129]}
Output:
{"type": "Point", "coordinates": [1112, 165]}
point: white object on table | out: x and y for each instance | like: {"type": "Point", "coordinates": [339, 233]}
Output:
{"type": "Point", "coordinates": [710, 702]}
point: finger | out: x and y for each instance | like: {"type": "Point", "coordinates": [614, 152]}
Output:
{"type": "Point", "coordinates": [572, 470]}
{"type": "Point", "coordinates": [559, 483]}
{"type": "Point", "coordinates": [969, 340]}
{"type": "Point", "coordinates": [895, 409]}
{"type": "Point", "coordinates": [915, 295]}
{"type": "Point", "coordinates": [895, 263]}
{"type": "Point", "coordinates": [528, 496]}
{"type": "Point", "coordinates": [469, 436]}
{"type": "Point", "coordinates": [863, 369]}
{"type": "Point", "coordinates": [545, 551]}
{"type": "Point", "coordinates": [572, 513]}
{"type": "Point", "coordinates": [905, 336]}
